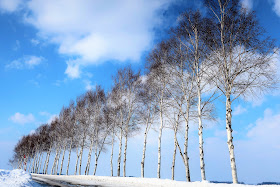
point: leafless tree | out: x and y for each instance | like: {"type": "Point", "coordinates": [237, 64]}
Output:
{"type": "Point", "coordinates": [241, 57]}
{"type": "Point", "coordinates": [158, 77]}
{"type": "Point", "coordinates": [190, 34]}
{"type": "Point", "coordinates": [147, 112]}
{"type": "Point", "coordinates": [82, 126]}
{"type": "Point", "coordinates": [124, 92]}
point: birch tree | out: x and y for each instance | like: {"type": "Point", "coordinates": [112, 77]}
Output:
{"type": "Point", "coordinates": [111, 116]}
{"type": "Point", "coordinates": [158, 79]}
{"type": "Point", "coordinates": [242, 58]}
{"type": "Point", "coordinates": [70, 129]}
{"type": "Point", "coordinates": [181, 89]}
{"type": "Point", "coordinates": [190, 34]}
{"type": "Point", "coordinates": [147, 112]}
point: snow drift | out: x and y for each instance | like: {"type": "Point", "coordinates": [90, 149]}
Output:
{"type": "Point", "coordinates": [14, 178]}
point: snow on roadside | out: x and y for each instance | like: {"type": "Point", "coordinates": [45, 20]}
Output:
{"type": "Point", "coordinates": [14, 178]}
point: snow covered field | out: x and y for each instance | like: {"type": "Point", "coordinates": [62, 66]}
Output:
{"type": "Point", "coordinates": [132, 181]}
{"type": "Point", "coordinates": [20, 178]}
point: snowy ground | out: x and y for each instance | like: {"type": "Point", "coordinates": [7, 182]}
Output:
{"type": "Point", "coordinates": [19, 178]}
{"type": "Point", "coordinates": [131, 181]}
{"type": "Point", "coordinates": [14, 178]}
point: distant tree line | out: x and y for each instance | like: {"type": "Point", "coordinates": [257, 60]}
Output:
{"type": "Point", "coordinates": [223, 54]}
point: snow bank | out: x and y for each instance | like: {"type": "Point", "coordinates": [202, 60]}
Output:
{"type": "Point", "coordinates": [132, 181]}
{"type": "Point", "coordinates": [14, 178]}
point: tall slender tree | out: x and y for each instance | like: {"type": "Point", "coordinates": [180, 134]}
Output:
{"type": "Point", "coordinates": [241, 57]}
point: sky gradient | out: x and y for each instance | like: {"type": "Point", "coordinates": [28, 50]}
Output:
{"type": "Point", "coordinates": [52, 51]}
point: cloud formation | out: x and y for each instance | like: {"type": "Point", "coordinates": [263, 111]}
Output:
{"type": "Point", "coordinates": [22, 119]}
{"type": "Point", "coordinates": [9, 5]}
{"type": "Point", "coordinates": [239, 110]}
{"type": "Point", "coordinates": [27, 62]}
{"type": "Point", "coordinates": [276, 7]}
{"type": "Point", "coordinates": [89, 85]}
{"type": "Point", "coordinates": [91, 32]}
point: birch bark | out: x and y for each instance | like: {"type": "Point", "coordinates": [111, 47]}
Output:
{"type": "Point", "coordinates": [48, 159]}
{"type": "Point", "coordinates": [159, 140]}
{"type": "Point", "coordinates": [112, 153]}
{"type": "Point", "coordinates": [200, 133]}
{"type": "Point", "coordinates": [54, 162]}
{"type": "Point", "coordinates": [89, 156]}
{"type": "Point", "coordinates": [97, 156]}
{"type": "Point", "coordinates": [81, 153]}
{"type": "Point", "coordinates": [230, 138]}
{"type": "Point", "coordinates": [144, 150]}
{"type": "Point", "coordinates": [69, 156]}
{"type": "Point", "coordinates": [120, 154]}
{"type": "Point", "coordinates": [61, 165]}
{"type": "Point", "coordinates": [77, 160]}
{"type": "Point", "coordinates": [124, 152]}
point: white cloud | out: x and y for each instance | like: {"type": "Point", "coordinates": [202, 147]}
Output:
{"type": "Point", "coordinates": [73, 69]}
{"type": "Point", "coordinates": [276, 7]}
{"type": "Point", "coordinates": [239, 110]}
{"type": "Point", "coordinates": [248, 4]}
{"type": "Point", "coordinates": [89, 85]}
{"type": "Point", "coordinates": [9, 5]}
{"type": "Point", "coordinates": [22, 119]}
{"type": "Point", "coordinates": [267, 129]}
{"type": "Point", "coordinates": [92, 32]}
{"type": "Point", "coordinates": [27, 62]}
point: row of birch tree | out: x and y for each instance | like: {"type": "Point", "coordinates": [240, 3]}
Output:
{"type": "Point", "coordinates": [224, 54]}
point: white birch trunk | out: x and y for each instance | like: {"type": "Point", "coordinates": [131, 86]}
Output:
{"type": "Point", "coordinates": [175, 148]}
{"type": "Point", "coordinates": [174, 158]}
{"type": "Point", "coordinates": [69, 156]}
{"type": "Point", "coordinates": [112, 154]}
{"type": "Point", "coordinates": [54, 162]}
{"type": "Point", "coordinates": [144, 150]}
{"type": "Point", "coordinates": [229, 138]}
{"type": "Point", "coordinates": [81, 157]}
{"type": "Point", "coordinates": [200, 132]}
{"type": "Point", "coordinates": [61, 165]}
{"type": "Point", "coordinates": [97, 156]}
{"type": "Point", "coordinates": [186, 158]}
{"type": "Point", "coordinates": [89, 157]}
{"type": "Point", "coordinates": [159, 142]}
{"type": "Point", "coordinates": [95, 165]}
{"type": "Point", "coordinates": [57, 162]}
{"type": "Point", "coordinates": [81, 154]}
{"type": "Point", "coordinates": [34, 159]}
{"type": "Point", "coordinates": [124, 153]}
{"type": "Point", "coordinates": [120, 155]}
{"type": "Point", "coordinates": [47, 163]}
{"type": "Point", "coordinates": [77, 160]}
{"type": "Point", "coordinates": [40, 163]}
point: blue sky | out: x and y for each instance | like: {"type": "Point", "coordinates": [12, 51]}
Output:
{"type": "Point", "coordinates": [52, 51]}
